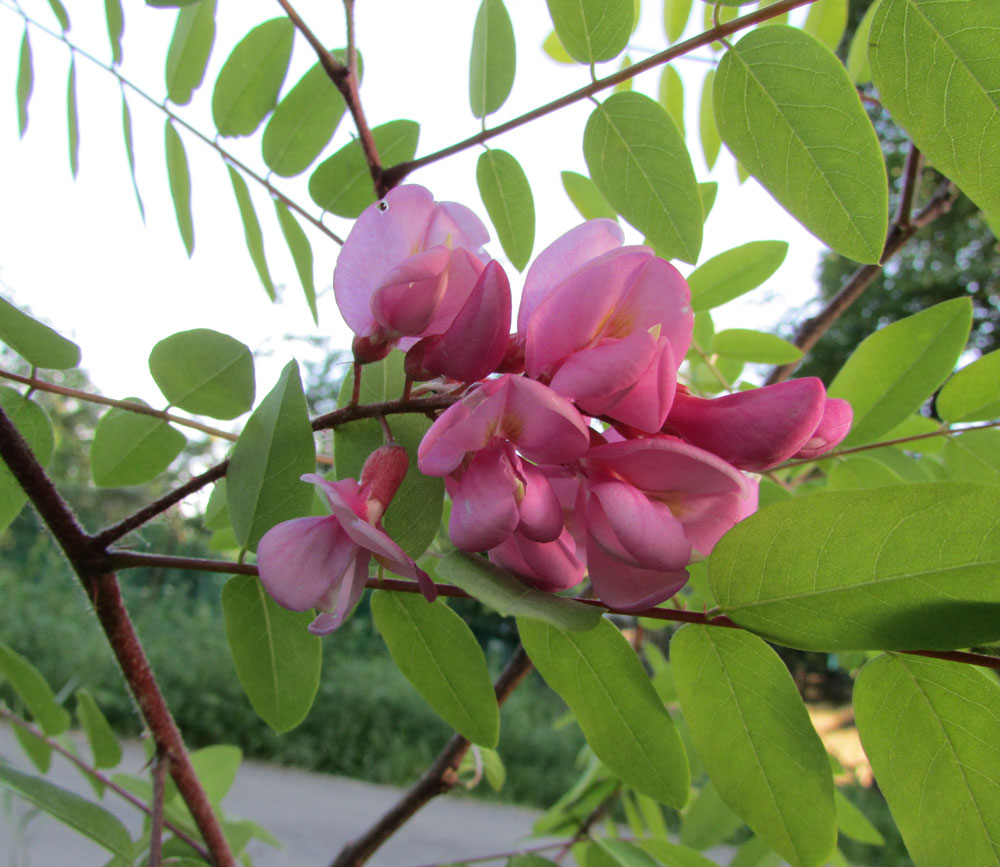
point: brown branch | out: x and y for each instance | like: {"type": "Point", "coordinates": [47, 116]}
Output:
{"type": "Point", "coordinates": [395, 174]}
{"type": "Point", "coordinates": [813, 329]}
{"type": "Point", "coordinates": [160, 765]}
{"type": "Point", "coordinates": [440, 777]}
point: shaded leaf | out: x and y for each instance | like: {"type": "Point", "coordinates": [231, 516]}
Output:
{"type": "Point", "coordinates": [671, 96]}
{"type": "Point", "coordinates": [855, 824]}
{"type": "Point", "coordinates": [756, 347]}
{"type": "Point", "coordinates": [860, 471]}
{"type": "Point", "coordinates": [787, 110]}
{"type": "Point", "coordinates": [179, 177]}
{"type": "Point", "coordinates": [204, 372]}
{"type": "Point", "coordinates": [216, 767]}
{"type": "Point", "coordinates": [708, 132]}
{"type": "Point", "coordinates": [116, 26]}
{"type": "Point", "coordinates": [34, 690]}
{"type": "Point", "coordinates": [72, 121]}
{"type": "Point", "coordinates": [440, 657]}
{"type": "Point", "coordinates": [25, 83]}
{"type": "Point", "coordinates": [756, 740]}
{"type": "Point", "coordinates": [130, 153]}
{"type": "Point", "coordinates": [130, 448]}
{"type": "Point", "coordinates": [34, 341]}
{"type": "Point", "coordinates": [33, 424]}
{"type": "Point", "coordinates": [673, 855]}
{"type": "Point", "coordinates": [277, 659]}
{"type": "Point", "coordinates": [592, 30]}
{"type": "Point", "coordinates": [895, 567]}
{"type": "Point", "coordinates": [974, 456]}
{"type": "Point", "coordinates": [972, 394]}
{"type": "Point", "coordinates": [734, 272]}
{"type": "Point", "coordinates": [251, 230]}
{"type": "Point", "coordinates": [707, 820]}
{"type": "Point", "coordinates": [104, 746]}
{"type": "Point", "coordinates": [598, 675]}
{"type": "Point", "coordinates": [624, 854]}
{"type": "Point", "coordinates": [190, 48]}
{"type": "Point", "coordinates": [302, 256]}
{"type": "Point", "coordinates": [638, 160]}
{"type": "Point", "coordinates": [493, 61]}
{"type": "Point", "coordinates": [60, 12]}
{"type": "Point", "coordinates": [857, 64]}
{"type": "Point", "coordinates": [589, 200]}
{"type": "Point", "coordinates": [928, 727]}
{"type": "Point", "coordinates": [37, 751]}
{"type": "Point", "coordinates": [506, 194]}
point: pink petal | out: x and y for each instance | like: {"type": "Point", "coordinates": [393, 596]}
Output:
{"type": "Point", "coordinates": [831, 430]}
{"type": "Point", "coordinates": [408, 296]}
{"type": "Point", "coordinates": [602, 372]}
{"type": "Point", "coordinates": [455, 226]}
{"type": "Point", "coordinates": [540, 511]}
{"type": "Point", "coordinates": [546, 427]}
{"type": "Point", "coordinates": [550, 566]}
{"type": "Point", "coordinates": [484, 511]}
{"type": "Point", "coordinates": [630, 588]}
{"type": "Point", "coordinates": [645, 405]}
{"type": "Point", "coordinates": [346, 597]}
{"type": "Point", "coordinates": [660, 296]}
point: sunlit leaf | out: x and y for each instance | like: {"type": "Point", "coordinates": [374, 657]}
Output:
{"type": "Point", "coordinates": [277, 659]}
{"type": "Point", "coordinates": [709, 190]}
{"type": "Point", "coordinates": [251, 230]}
{"type": "Point", "coordinates": [25, 83]}
{"type": "Point", "coordinates": [893, 371]}
{"type": "Point", "coordinates": [638, 160]}
{"type": "Point", "coordinates": [72, 121]}
{"type": "Point", "coordinates": [34, 690]}
{"type": "Point", "coordinates": [179, 177]}
{"type": "Point", "coordinates": [734, 272]}
{"type": "Point", "coordinates": [104, 746]}
{"type": "Point", "coordinates": [554, 49]}
{"type": "Point", "coordinates": [492, 64]}
{"type": "Point", "coordinates": [974, 456]}
{"type": "Point", "coordinates": [204, 372]}
{"type": "Point", "coordinates": [890, 568]}
{"type": "Point", "coordinates": [754, 735]}
{"type": "Point", "coordinates": [589, 200]}
{"type": "Point", "coordinates": [755, 347]}
{"type": "Point", "coordinates": [937, 69]}
{"type": "Point", "coordinates": [33, 424]}
{"type": "Point", "coordinates": [130, 152]}
{"type": "Point", "coordinates": [248, 84]}
{"type": "Point", "coordinates": [130, 448]}
{"type": "Point", "coordinates": [671, 96]}
{"type": "Point", "coordinates": [190, 48]}
{"type": "Point", "coordinates": [675, 18]}
{"type": "Point", "coordinates": [787, 110]}
{"type": "Point", "coordinates": [507, 196]}
{"type": "Point", "coordinates": [116, 26]}
{"type": "Point", "coordinates": [972, 394]}
{"type": "Point", "coordinates": [827, 21]}
{"type": "Point", "coordinates": [598, 675]}
{"type": "Point", "coordinates": [928, 728]}
{"type": "Point", "coordinates": [439, 655]}
{"type": "Point", "coordinates": [708, 132]}
{"type": "Point", "coordinates": [34, 341]}
{"type": "Point", "coordinates": [592, 30]}
{"type": "Point", "coordinates": [302, 256]}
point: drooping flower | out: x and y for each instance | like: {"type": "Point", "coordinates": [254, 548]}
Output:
{"type": "Point", "coordinates": [322, 562]}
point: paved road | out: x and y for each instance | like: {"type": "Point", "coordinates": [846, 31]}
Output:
{"type": "Point", "coordinates": [312, 814]}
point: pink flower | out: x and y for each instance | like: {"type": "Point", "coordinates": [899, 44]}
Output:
{"type": "Point", "coordinates": [322, 562]}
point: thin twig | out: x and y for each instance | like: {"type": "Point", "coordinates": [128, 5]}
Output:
{"type": "Point", "coordinates": [160, 764]}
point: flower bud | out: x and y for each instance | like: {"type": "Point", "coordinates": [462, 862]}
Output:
{"type": "Point", "coordinates": [383, 473]}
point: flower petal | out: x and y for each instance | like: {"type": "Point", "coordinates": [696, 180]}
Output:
{"type": "Point", "coordinates": [540, 511]}
{"type": "Point", "coordinates": [550, 566]}
{"type": "Point", "coordinates": [831, 430]}
{"type": "Point", "coordinates": [630, 588]}
{"type": "Point", "coordinates": [484, 511]}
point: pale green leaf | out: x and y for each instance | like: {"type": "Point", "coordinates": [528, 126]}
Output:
{"type": "Point", "coordinates": [493, 59]}
{"type": "Point", "coordinates": [937, 69]}
{"type": "Point", "coordinates": [708, 820]}
{"type": "Point", "coordinates": [671, 96]}
{"type": "Point", "coordinates": [788, 112]}
{"type": "Point", "coordinates": [104, 746]}
{"type": "Point", "coordinates": [554, 49]}
{"type": "Point", "coordinates": [709, 190]}
{"type": "Point", "coordinates": [592, 30]}
{"type": "Point", "coordinates": [342, 184]}
{"type": "Point", "coordinates": [34, 341]}
{"type": "Point", "coordinates": [754, 735]}
{"type": "Point", "coordinates": [624, 854]}
{"type": "Point", "coordinates": [708, 131]}
{"type": "Point", "coordinates": [34, 690]}
{"type": "Point", "coordinates": [116, 26]}
{"type": "Point", "coordinates": [72, 121]}
{"type": "Point", "coordinates": [131, 448]}
{"type": "Point", "coordinates": [130, 152]}
{"type": "Point", "coordinates": [263, 483]}
{"type": "Point", "coordinates": [34, 425]}
{"type": "Point", "coordinates": [895, 567]}
{"type": "Point", "coordinates": [179, 177]}
{"type": "Point", "coordinates": [251, 230]}
{"type": "Point", "coordinates": [974, 456]}
{"type": "Point", "coordinates": [216, 767]}
{"type": "Point", "coordinates": [277, 659]}
{"type": "Point", "coordinates": [439, 655]}
{"type": "Point", "coordinates": [598, 675]}
{"type": "Point", "coordinates": [25, 83]}
{"type": "Point", "coordinates": [858, 67]}
{"type": "Point", "coordinates": [190, 48]}
{"type": "Point", "coordinates": [302, 256]}
{"type": "Point", "coordinates": [860, 471]}
{"type": "Point", "coordinates": [756, 853]}
{"type": "Point", "coordinates": [248, 84]}
{"type": "Point", "coordinates": [675, 18]}
{"type": "Point", "coordinates": [734, 272]}
{"type": "Point", "coordinates": [972, 394]}
{"type": "Point", "coordinates": [510, 596]}
{"type": "Point", "coordinates": [204, 372]}
{"type": "Point", "coordinates": [855, 824]}
{"type": "Point", "coordinates": [638, 160]}
{"type": "Point", "coordinates": [506, 194]}
{"type": "Point", "coordinates": [893, 371]}
{"type": "Point", "coordinates": [928, 727]}
{"type": "Point", "coordinates": [916, 425]}
{"type": "Point", "coordinates": [673, 855]}
{"type": "Point", "coordinates": [589, 200]}
{"type": "Point", "coordinates": [37, 750]}
{"type": "Point", "coordinates": [827, 21]}
{"type": "Point", "coordinates": [756, 347]}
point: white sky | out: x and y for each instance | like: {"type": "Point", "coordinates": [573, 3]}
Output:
{"type": "Point", "coordinates": [79, 255]}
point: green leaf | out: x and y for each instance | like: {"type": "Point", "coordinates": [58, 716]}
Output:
{"type": "Point", "coordinates": [130, 153]}
{"type": "Point", "coordinates": [937, 70]}
{"type": "Point", "coordinates": [628, 83]}
{"type": "Point", "coordinates": [277, 659]}
{"type": "Point", "coordinates": [638, 160]}
{"type": "Point", "coordinates": [860, 471]}
{"type": "Point", "coordinates": [601, 679]}
{"type": "Point", "coordinates": [827, 21]}
{"type": "Point", "coordinates": [894, 370]}
{"type": "Point", "coordinates": [708, 131]}
{"type": "Point", "coordinates": [755, 737]}
{"type": "Point", "coordinates": [675, 18]}
{"type": "Point", "coordinates": [805, 137]}
{"type": "Point", "coordinates": [116, 26]}
{"type": "Point", "coordinates": [179, 177]}
{"type": "Point", "coordinates": [858, 68]}
{"type": "Point", "coordinates": [913, 426]}
{"type": "Point", "coordinates": [302, 256]}
{"type": "Point", "coordinates": [589, 200]}
{"type": "Point", "coordinates": [855, 824]}
{"type": "Point", "coordinates": [81, 815]}
{"type": "Point", "coordinates": [216, 767]}
{"type": "Point", "coordinates": [34, 425]}
{"type": "Point", "coordinates": [592, 30]}
{"type": "Point", "coordinates": [25, 83]}
{"type": "Point", "coordinates": [756, 347]}
{"type": "Point", "coordinates": [895, 567]}
{"type": "Point", "coordinates": [482, 762]}
{"type": "Point", "coordinates": [35, 342]}
{"type": "Point", "coordinates": [554, 49]}
{"type": "Point", "coordinates": [34, 691]}
{"type": "Point", "coordinates": [130, 448]}
{"type": "Point", "coordinates": [671, 96]}
{"type": "Point", "coordinates": [506, 194]}
{"type": "Point", "coordinates": [304, 121]}
{"type": "Point", "coordinates": [171, 4]}
{"type": "Point", "coordinates": [104, 746]}
{"type": "Point", "coordinates": [974, 456]}
{"type": "Point", "coordinates": [756, 853]}
{"type": "Point", "coordinates": [72, 121]}
{"type": "Point", "coordinates": [709, 190]}
{"type": "Point", "coordinates": [928, 727]}
{"type": "Point", "coordinates": [624, 854]}
{"type": "Point", "coordinates": [972, 394]}
{"type": "Point", "coordinates": [249, 82]}
{"type": "Point", "coordinates": [60, 12]}
{"type": "Point", "coordinates": [263, 483]}
{"type": "Point", "coordinates": [190, 48]}
{"type": "Point", "coordinates": [673, 855]}
{"type": "Point", "coordinates": [204, 372]}
{"type": "Point", "coordinates": [509, 596]}
{"type": "Point", "coordinates": [734, 272]}
{"type": "Point", "coordinates": [414, 515]}
{"type": "Point", "coordinates": [440, 657]}
{"type": "Point", "coordinates": [342, 183]}
{"type": "Point", "coordinates": [493, 60]}
{"type": "Point", "coordinates": [251, 230]}
{"type": "Point", "coordinates": [707, 820]}
{"type": "Point", "coordinates": [38, 751]}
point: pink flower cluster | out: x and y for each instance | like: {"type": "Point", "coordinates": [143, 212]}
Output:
{"type": "Point", "coordinates": [601, 332]}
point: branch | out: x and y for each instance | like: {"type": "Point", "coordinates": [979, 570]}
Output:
{"type": "Point", "coordinates": [439, 778]}
{"type": "Point", "coordinates": [394, 175]}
